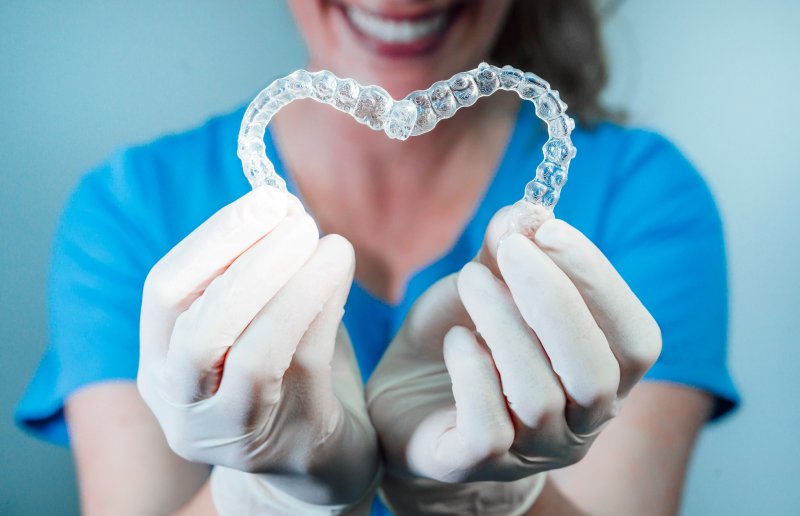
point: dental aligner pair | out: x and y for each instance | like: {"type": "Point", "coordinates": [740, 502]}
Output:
{"type": "Point", "coordinates": [416, 114]}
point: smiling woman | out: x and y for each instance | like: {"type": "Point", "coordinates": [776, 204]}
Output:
{"type": "Point", "coordinates": [504, 370]}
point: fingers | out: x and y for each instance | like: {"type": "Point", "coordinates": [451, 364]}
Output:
{"type": "Point", "coordinates": [204, 332]}
{"type": "Point", "coordinates": [313, 359]}
{"type": "Point", "coordinates": [632, 333]}
{"type": "Point", "coordinates": [185, 272]}
{"type": "Point", "coordinates": [308, 307]}
{"type": "Point", "coordinates": [483, 428]}
{"type": "Point", "coordinates": [578, 351]}
{"type": "Point", "coordinates": [528, 382]}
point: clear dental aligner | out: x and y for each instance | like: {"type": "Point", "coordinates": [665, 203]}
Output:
{"type": "Point", "coordinates": [416, 114]}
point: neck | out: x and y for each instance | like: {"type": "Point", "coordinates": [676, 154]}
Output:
{"type": "Point", "coordinates": [329, 150]}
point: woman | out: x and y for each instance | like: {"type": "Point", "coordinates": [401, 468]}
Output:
{"type": "Point", "coordinates": [495, 394]}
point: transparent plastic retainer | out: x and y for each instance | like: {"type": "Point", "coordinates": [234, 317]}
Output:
{"type": "Point", "coordinates": [417, 114]}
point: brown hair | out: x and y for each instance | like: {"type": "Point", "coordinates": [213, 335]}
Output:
{"type": "Point", "coordinates": [560, 41]}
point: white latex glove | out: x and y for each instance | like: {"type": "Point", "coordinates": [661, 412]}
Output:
{"type": "Point", "coordinates": [499, 378]}
{"type": "Point", "coordinates": [246, 365]}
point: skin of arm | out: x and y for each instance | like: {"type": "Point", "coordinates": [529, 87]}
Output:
{"type": "Point", "coordinates": [638, 463]}
{"type": "Point", "coordinates": [124, 454]}
{"type": "Point", "coordinates": [123, 462]}
{"type": "Point", "coordinates": [202, 504]}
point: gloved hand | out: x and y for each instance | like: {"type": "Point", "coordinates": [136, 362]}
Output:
{"type": "Point", "coordinates": [495, 378]}
{"type": "Point", "coordinates": [246, 365]}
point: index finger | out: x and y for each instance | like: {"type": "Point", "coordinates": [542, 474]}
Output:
{"type": "Point", "coordinates": [632, 333]}
{"type": "Point", "coordinates": [188, 268]}
{"type": "Point", "coordinates": [578, 350]}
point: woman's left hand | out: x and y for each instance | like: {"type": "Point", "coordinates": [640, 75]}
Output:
{"type": "Point", "coordinates": [499, 376]}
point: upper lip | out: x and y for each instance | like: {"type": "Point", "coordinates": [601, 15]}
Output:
{"type": "Point", "coordinates": [398, 16]}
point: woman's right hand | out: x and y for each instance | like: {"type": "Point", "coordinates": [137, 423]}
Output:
{"type": "Point", "coordinates": [246, 365]}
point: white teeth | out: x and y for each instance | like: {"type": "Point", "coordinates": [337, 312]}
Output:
{"type": "Point", "coordinates": [393, 31]}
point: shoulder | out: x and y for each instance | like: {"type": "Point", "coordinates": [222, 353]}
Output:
{"type": "Point", "coordinates": [632, 153]}
{"type": "Point", "coordinates": [161, 190]}
{"type": "Point", "coordinates": [631, 180]}
{"type": "Point", "coordinates": [179, 162]}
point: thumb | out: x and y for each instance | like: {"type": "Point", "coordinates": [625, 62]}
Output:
{"type": "Point", "coordinates": [497, 228]}
{"type": "Point", "coordinates": [431, 317]}
{"type": "Point", "coordinates": [523, 217]}
{"type": "Point", "coordinates": [448, 446]}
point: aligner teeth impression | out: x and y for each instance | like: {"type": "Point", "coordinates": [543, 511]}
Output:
{"type": "Point", "coordinates": [416, 114]}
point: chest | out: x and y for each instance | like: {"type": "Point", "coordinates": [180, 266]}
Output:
{"type": "Point", "coordinates": [393, 237]}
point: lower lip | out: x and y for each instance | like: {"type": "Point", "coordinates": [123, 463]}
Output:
{"type": "Point", "coordinates": [421, 47]}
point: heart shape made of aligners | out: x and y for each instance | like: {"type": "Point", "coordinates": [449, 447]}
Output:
{"type": "Point", "coordinates": [416, 114]}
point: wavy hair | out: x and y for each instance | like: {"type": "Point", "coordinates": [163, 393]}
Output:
{"type": "Point", "coordinates": [559, 40]}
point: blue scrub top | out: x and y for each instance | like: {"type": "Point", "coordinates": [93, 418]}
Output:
{"type": "Point", "coordinates": [630, 191]}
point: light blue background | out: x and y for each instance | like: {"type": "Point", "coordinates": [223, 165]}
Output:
{"type": "Point", "coordinates": [719, 77]}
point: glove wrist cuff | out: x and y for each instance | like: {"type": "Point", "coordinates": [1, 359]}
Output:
{"type": "Point", "coordinates": [237, 492]}
{"type": "Point", "coordinates": [425, 496]}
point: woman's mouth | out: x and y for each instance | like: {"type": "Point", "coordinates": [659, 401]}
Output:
{"type": "Point", "coordinates": [394, 35]}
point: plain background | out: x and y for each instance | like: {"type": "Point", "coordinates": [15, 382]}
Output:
{"type": "Point", "coordinates": [719, 77]}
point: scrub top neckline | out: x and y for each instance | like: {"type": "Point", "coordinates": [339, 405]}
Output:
{"type": "Point", "coordinates": [526, 125]}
